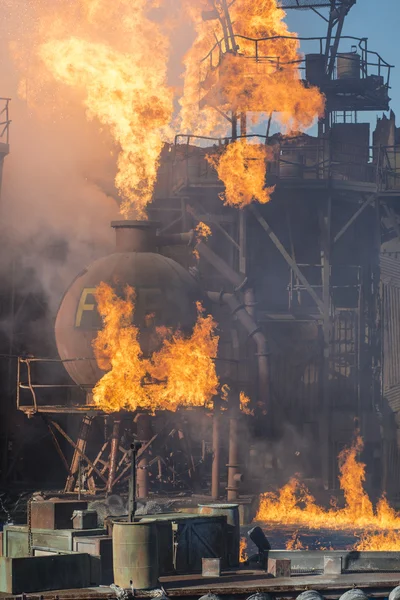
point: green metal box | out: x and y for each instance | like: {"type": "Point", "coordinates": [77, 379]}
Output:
{"type": "Point", "coordinates": [15, 539]}
{"type": "Point", "coordinates": [45, 573]}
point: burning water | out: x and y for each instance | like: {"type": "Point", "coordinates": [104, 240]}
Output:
{"type": "Point", "coordinates": [294, 505]}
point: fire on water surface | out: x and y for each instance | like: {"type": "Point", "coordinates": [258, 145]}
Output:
{"type": "Point", "coordinates": [294, 505]}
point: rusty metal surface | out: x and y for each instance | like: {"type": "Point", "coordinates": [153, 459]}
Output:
{"type": "Point", "coordinates": [55, 514]}
{"type": "Point", "coordinates": [244, 583]}
{"type": "Point", "coordinates": [163, 288]}
{"type": "Point", "coordinates": [211, 567]}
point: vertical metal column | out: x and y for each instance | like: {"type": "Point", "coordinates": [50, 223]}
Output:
{"type": "Point", "coordinates": [215, 474]}
{"type": "Point", "coordinates": [325, 430]}
{"type": "Point", "coordinates": [233, 466]}
{"type": "Point", "coordinates": [144, 435]}
{"type": "Point", "coordinates": [113, 455]}
{"type": "Point", "coordinates": [80, 445]}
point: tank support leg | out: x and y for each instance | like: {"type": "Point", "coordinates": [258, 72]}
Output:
{"type": "Point", "coordinates": [80, 448]}
{"type": "Point", "coordinates": [113, 455]}
{"type": "Point", "coordinates": [144, 435]}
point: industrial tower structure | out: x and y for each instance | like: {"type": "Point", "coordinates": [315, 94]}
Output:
{"type": "Point", "coordinates": [306, 266]}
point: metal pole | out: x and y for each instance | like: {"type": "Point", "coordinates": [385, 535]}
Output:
{"type": "Point", "coordinates": [135, 447]}
{"type": "Point", "coordinates": [233, 466]}
{"type": "Point", "coordinates": [216, 451]}
{"type": "Point", "coordinates": [113, 455]}
{"type": "Point", "coordinates": [144, 435]}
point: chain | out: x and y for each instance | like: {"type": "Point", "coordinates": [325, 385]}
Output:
{"type": "Point", "coordinates": [29, 506]}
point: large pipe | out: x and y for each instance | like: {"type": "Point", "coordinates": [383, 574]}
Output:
{"type": "Point", "coordinates": [254, 332]}
{"type": "Point", "coordinates": [233, 460]}
{"type": "Point", "coordinates": [215, 487]}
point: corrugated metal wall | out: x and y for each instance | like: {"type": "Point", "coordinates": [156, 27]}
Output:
{"type": "Point", "coordinates": [390, 276]}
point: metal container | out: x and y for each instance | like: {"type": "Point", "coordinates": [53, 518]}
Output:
{"type": "Point", "coordinates": [135, 555]}
{"type": "Point", "coordinates": [84, 519]}
{"type": "Point", "coordinates": [164, 290]}
{"type": "Point", "coordinates": [231, 512]}
{"type": "Point", "coordinates": [211, 567]}
{"type": "Point", "coordinates": [194, 537]}
{"type": "Point", "coordinates": [56, 513]}
{"type": "Point", "coordinates": [291, 165]}
{"type": "Point", "coordinates": [315, 68]}
{"type": "Point", "coordinates": [164, 545]}
{"type": "Point", "coordinates": [100, 545]}
{"type": "Point", "coordinates": [348, 65]}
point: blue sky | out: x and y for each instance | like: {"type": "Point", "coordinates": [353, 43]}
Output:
{"type": "Point", "coordinates": [379, 21]}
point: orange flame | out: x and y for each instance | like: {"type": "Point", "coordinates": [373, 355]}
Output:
{"type": "Point", "coordinates": [240, 77]}
{"type": "Point", "coordinates": [242, 168]}
{"type": "Point", "coordinates": [243, 557]}
{"type": "Point", "coordinates": [203, 231]}
{"type": "Point", "coordinates": [294, 542]}
{"type": "Point", "coordinates": [123, 84]}
{"type": "Point", "coordinates": [295, 505]}
{"type": "Point", "coordinates": [181, 373]}
{"type": "Point", "coordinates": [244, 404]}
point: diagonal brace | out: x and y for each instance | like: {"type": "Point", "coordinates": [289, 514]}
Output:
{"type": "Point", "coordinates": [353, 218]}
{"type": "Point", "coordinates": [291, 262]}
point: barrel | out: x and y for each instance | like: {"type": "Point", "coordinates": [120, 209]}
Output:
{"type": "Point", "coordinates": [348, 65]}
{"type": "Point", "coordinates": [315, 68]}
{"type": "Point", "coordinates": [290, 165]}
{"type": "Point", "coordinates": [231, 512]}
{"type": "Point", "coordinates": [135, 555]}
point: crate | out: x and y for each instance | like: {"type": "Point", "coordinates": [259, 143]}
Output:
{"type": "Point", "coordinates": [98, 546]}
{"type": "Point", "coordinates": [84, 519]}
{"type": "Point", "coordinates": [45, 573]}
{"type": "Point", "coordinates": [15, 539]}
{"type": "Point", "coordinates": [55, 514]}
{"type": "Point", "coordinates": [279, 567]}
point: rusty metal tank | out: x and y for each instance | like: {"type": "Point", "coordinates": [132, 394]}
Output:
{"type": "Point", "coordinates": [166, 295]}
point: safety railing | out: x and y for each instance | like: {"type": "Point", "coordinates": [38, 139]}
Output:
{"type": "Point", "coordinates": [300, 158]}
{"type": "Point", "coordinates": [263, 50]}
{"type": "Point", "coordinates": [37, 393]}
{"type": "Point", "coordinates": [4, 120]}
{"type": "Point", "coordinates": [42, 390]}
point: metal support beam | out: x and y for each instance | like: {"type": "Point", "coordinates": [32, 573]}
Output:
{"type": "Point", "coordinates": [79, 447]}
{"type": "Point", "coordinates": [79, 452]}
{"type": "Point", "coordinates": [216, 451]}
{"type": "Point", "coordinates": [113, 455]}
{"type": "Point", "coordinates": [392, 217]}
{"type": "Point", "coordinates": [292, 263]}
{"type": "Point", "coordinates": [325, 437]}
{"type": "Point", "coordinates": [358, 212]}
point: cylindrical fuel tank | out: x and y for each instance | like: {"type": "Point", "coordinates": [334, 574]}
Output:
{"type": "Point", "coordinates": [315, 68]}
{"type": "Point", "coordinates": [166, 295]}
{"type": "Point", "coordinates": [231, 512]}
{"type": "Point", "coordinates": [348, 65]}
{"type": "Point", "coordinates": [135, 555]}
